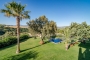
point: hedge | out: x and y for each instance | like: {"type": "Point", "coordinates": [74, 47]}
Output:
{"type": "Point", "coordinates": [11, 40]}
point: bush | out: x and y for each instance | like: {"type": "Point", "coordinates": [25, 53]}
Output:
{"type": "Point", "coordinates": [7, 41]}
{"type": "Point", "coordinates": [11, 40]}
{"type": "Point", "coordinates": [23, 37]}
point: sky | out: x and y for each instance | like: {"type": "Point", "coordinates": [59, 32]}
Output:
{"type": "Point", "coordinates": [63, 12]}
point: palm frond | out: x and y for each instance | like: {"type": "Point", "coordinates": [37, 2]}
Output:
{"type": "Point", "coordinates": [7, 12]}
{"type": "Point", "coordinates": [15, 9]}
{"type": "Point", "coordinates": [25, 15]}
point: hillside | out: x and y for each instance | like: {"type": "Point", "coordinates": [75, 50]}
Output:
{"type": "Point", "coordinates": [14, 26]}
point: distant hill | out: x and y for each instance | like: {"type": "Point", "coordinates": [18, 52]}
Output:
{"type": "Point", "coordinates": [14, 26]}
{"type": "Point", "coordinates": [25, 26]}
{"type": "Point", "coordinates": [61, 27]}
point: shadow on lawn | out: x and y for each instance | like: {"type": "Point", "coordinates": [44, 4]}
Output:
{"type": "Point", "coordinates": [34, 47]}
{"type": "Point", "coordinates": [23, 56]}
{"type": "Point", "coordinates": [47, 42]}
{"type": "Point", "coordinates": [86, 54]}
{"type": "Point", "coordinates": [30, 48]}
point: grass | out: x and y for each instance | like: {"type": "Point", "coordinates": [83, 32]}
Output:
{"type": "Point", "coordinates": [32, 50]}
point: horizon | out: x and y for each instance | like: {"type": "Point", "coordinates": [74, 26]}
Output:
{"type": "Point", "coordinates": [25, 25]}
{"type": "Point", "coordinates": [63, 12]}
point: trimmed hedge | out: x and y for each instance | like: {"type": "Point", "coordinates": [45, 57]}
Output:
{"type": "Point", "coordinates": [11, 40]}
{"type": "Point", "coordinates": [23, 37]}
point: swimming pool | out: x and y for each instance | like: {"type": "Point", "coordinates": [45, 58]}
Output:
{"type": "Point", "coordinates": [56, 40]}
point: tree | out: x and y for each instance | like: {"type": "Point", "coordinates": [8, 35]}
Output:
{"type": "Point", "coordinates": [15, 9]}
{"type": "Point", "coordinates": [80, 31]}
{"type": "Point", "coordinates": [50, 28]}
{"type": "Point", "coordinates": [74, 29]}
{"type": "Point", "coordinates": [36, 26]}
{"type": "Point", "coordinates": [67, 34]}
{"type": "Point", "coordinates": [42, 26]}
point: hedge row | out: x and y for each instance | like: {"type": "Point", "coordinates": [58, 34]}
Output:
{"type": "Point", "coordinates": [11, 40]}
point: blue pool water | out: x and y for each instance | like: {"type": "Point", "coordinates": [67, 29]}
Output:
{"type": "Point", "coordinates": [57, 40]}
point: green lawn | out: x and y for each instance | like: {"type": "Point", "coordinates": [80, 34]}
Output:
{"type": "Point", "coordinates": [32, 50]}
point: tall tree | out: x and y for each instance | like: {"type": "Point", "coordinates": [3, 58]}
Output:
{"type": "Point", "coordinates": [17, 10]}
{"type": "Point", "coordinates": [37, 26]}
{"type": "Point", "coordinates": [42, 26]}
{"type": "Point", "coordinates": [67, 34]}
{"type": "Point", "coordinates": [80, 31]}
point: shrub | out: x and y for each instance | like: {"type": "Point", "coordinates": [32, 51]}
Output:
{"type": "Point", "coordinates": [7, 41]}
{"type": "Point", "coordinates": [11, 40]}
{"type": "Point", "coordinates": [23, 37]}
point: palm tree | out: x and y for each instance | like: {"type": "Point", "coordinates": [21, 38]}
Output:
{"type": "Point", "coordinates": [15, 9]}
{"type": "Point", "coordinates": [66, 34]}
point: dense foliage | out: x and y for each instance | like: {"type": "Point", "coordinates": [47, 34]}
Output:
{"type": "Point", "coordinates": [80, 31]}
{"type": "Point", "coordinates": [9, 31]}
{"type": "Point", "coordinates": [11, 40]}
{"type": "Point", "coordinates": [76, 32]}
{"type": "Point", "coordinates": [5, 28]}
{"type": "Point", "coordinates": [42, 26]}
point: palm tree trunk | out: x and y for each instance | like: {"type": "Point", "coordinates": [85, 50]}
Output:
{"type": "Point", "coordinates": [18, 34]}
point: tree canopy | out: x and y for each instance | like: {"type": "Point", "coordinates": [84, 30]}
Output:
{"type": "Point", "coordinates": [76, 31]}
{"type": "Point", "coordinates": [42, 26]}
